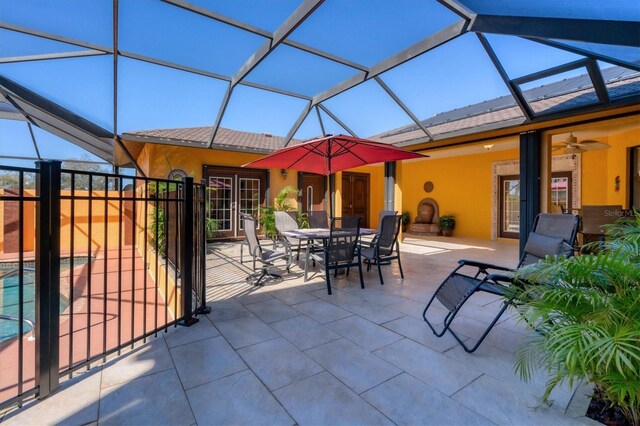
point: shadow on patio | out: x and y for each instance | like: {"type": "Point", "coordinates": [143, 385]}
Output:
{"type": "Point", "coordinates": [288, 353]}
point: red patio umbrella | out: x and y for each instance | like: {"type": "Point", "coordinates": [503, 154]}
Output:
{"type": "Point", "coordinates": [332, 154]}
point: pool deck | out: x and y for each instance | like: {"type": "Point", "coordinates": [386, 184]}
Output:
{"type": "Point", "coordinates": [108, 326]}
{"type": "Point", "coordinates": [288, 353]}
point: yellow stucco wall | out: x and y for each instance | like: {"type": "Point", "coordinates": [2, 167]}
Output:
{"type": "Point", "coordinates": [156, 160]}
{"type": "Point", "coordinates": [462, 187]}
{"type": "Point", "coordinates": [618, 165]}
{"type": "Point", "coordinates": [463, 184]}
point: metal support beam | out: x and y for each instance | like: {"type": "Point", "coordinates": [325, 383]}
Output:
{"type": "Point", "coordinates": [598, 81]}
{"type": "Point", "coordinates": [210, 74]}
{"type": "Point", "coordinates": [587, 53]}
{"type": "Point", "coordinates": [389, 185]}
{"type": "Point", "coordinates": [297, 124]}
{"type": "Point", "coordinates": [403, 106]}
{"type": "Point", "coordinates": [513, 89]}
{"type": "Point", "coordinates": [337, 120]}
{"type": "Point", "coordinates": [221, 110]}
{"type": "Point", "coordinates": [320, 121]}
{"type": "Point", "coordinates": [47, 56]}
{"type": "Point", "coordinates": [116, 136]}
{"type": "Point", "coordinates": [258, 31]}
{"type": "Point", "coordinates": [54, 37]}
{"type": "Point", "coordinates": [429, 43]}
{"type": "Point", "coordinates": [33, 139]}
{"type": "Point", "coordinates": [293, 21]}
{"type": "Point", "coordinates": [621, 33]}
{"type": "Point", "coordinates": [580, 63]}
{"type": "Point", "coordinates": [530, 170]}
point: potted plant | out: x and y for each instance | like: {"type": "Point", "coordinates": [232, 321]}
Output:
{"type": "Point", "coordinates": [405, 220]}
{"type": "Point", "coordinates": [447, 224]}
{"type": "Point", "coordinates": [585, 309]}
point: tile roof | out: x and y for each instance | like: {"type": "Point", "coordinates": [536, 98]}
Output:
{"type": "Point", "coordinates": [570, 93]}
{"type": "Point", "coordinates": [226, 139]}
{"type": "Point", "coordinates": [566, 94]}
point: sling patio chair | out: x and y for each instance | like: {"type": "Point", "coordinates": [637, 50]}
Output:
{"type": "Point", "coordinates": [340, 250]}
{"type": "Point", "coordinates": [552, 235]}
{"type": "Point", "coordinates": [286, 222]}
{"type": "Point", "coordinates": [385, 246]}
{"type": "Point", "coordinates": [318, 219]}
{"type": "Point", "coordinates": [265, 256]}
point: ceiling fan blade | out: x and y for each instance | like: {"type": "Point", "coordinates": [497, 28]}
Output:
{"type": "Point", "coordinates": [589, 144]}
{"type": "Point", "coordinates": [574, 150]}
{"type": "Point", "coordinates": [558, 148]}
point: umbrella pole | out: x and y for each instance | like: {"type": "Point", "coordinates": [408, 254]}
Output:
{"type": "Point", "coordinates": [332, 180]}
{"type": "Point", "coordinates": [332, 191]}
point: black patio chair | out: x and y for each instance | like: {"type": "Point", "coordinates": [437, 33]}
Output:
{"type": "Point", "coordinates": [340, 250]}
{"type": "Point", "coordinates": [385, 246]}
{"type": "Point", "coordinates": [552, 235]}
{"type": "Point", "coordinates": [265, 256]}
{"type": "Point", "coordinates": [318, 219]}
{"type": "Point", "coordinates": [286, 222]}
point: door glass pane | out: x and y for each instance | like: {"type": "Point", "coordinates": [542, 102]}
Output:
{"type": "Point", "coordinates": [250, 197]}
{"type": "Point", "coordinates": [560, 192]}
{"type": "Point", "coordinates": [219, 195]}
{"type": "Point", "coordinates": [511, 207]}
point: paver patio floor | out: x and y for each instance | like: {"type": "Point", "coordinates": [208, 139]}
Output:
{"type": "Point", "coordinates": [288, 353]}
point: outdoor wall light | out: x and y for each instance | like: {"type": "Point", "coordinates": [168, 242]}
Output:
{"type": "Point", "coordinates": [488, 147]}
{"type": "Point", "coordinates": [284, 173]}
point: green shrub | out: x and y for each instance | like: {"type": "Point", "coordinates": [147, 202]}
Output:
{"type": "Point", "coordinates": [588, 318]}
{"type": "Point", "coordinates": [447, 222]}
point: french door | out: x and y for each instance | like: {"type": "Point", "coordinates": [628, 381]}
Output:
{"type": "Point", "coordinates": [509, 190]}
{"type": "Point", "coordinates": [509, 206]}
{"type": "Point", "coordinates": [232, 191]}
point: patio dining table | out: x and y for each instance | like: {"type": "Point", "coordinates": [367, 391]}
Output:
{"type": "Point", "coordinates": [321, 234]}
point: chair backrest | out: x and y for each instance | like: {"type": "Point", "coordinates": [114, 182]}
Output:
{"type": "Point", "coordinates": [593, 217]}
{"type": "Point", "coordinates": [249, 226]}
{"type": "Point", "coordinates": [285, 222]}
{"type": "Point", "coordinates": [343, 239]}
{"type": "Point", "coordinates": [553, 235]}
{"type": "Point", "coordinates": [388, 235]}
{"type": "Point", "coordinates": [381, 216]}
{"type": "Point", "coordinates": [318, 219]}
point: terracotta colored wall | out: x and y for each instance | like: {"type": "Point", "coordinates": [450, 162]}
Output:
{"type": "Point", "coordinates": [9, 223]}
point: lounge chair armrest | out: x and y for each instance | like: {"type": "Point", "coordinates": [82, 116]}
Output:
{"type": "Point", "coordinates": [500, 278]}
{"type": "Point", "coordinates": [483, 265]}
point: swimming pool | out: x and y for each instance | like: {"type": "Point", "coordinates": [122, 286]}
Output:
{"type": "Point", "coordinates": [9, 305]}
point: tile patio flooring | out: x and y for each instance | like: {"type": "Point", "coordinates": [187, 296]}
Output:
{"type": "Point", "coordinates": [288, 353]}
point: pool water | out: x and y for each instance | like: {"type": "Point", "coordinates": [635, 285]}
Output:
{"type": "Point", "coordinates": [9, 296]}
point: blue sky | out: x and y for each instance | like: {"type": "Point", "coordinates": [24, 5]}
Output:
{"type": "Point", "coordinates": [364, 31]}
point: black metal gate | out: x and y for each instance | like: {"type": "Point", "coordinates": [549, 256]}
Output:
{"type": "Point", "coordinates": [88, 266]}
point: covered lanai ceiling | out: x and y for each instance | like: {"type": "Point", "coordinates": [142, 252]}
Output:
{"type": "Point", "coordinates": [90, 72]}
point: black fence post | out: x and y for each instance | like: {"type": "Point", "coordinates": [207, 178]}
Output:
{"type": "Point", "coordinates": [202, 247]}
{"type": "Point", "coordinates": [47, 294]}
{"type": "Point", "coordinates": [186, 250]}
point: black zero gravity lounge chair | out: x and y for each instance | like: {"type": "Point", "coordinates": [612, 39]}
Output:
{"type": "Point", "coordinates": [552, 235]}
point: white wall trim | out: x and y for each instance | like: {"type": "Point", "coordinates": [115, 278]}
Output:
{"type": "Point", "coordinates": [559, 163]}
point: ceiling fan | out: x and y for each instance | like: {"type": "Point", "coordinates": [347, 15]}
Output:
{"type": "Point", "coordinates": [572, 146]}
